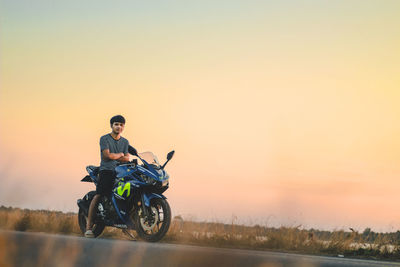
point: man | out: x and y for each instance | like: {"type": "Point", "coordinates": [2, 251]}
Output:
{"type": "Point", "coordinates": [113, 149]}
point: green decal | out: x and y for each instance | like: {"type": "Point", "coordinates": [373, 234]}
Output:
{"type": "Point", "coordinates": [122, 190]}
{"type": "Point", "coordinates": [120, 182]}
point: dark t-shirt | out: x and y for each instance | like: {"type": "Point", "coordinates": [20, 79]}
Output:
{"type": "Point", "coordinates": [115, 146]}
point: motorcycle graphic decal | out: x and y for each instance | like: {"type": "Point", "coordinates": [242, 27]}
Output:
{"type": "Point", "coordinates": [121, 190]}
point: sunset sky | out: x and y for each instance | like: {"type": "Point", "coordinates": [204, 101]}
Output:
{"type": "Point", "coordinates": [280, 112]}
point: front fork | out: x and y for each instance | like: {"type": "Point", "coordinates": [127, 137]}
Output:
{"type": "Point", "coordinates": [145, 209]}
{"type": "Point", "coordinates": [148, 213]}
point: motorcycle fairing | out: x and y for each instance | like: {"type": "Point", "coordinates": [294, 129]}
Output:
{"type": "Point", "coordinates": [124, 218]}
{"type": "Point", "coordinates": [123, 189]}
{"type": "Point", "coordinates": [151, 173]}
{"type": "Point", "coordinates": [124, 170]}
{"type": "Point", "coordinates": [147, 197]}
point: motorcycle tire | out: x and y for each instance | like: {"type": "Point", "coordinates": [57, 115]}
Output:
{"type": "Point", "coordinates": [148, 235]}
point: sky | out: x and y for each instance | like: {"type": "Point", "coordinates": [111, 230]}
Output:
{"type": "Point", "coordinates": [280, 112]}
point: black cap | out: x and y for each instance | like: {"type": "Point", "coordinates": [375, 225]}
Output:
{"type": "Point", "coordinates": [117, 118]}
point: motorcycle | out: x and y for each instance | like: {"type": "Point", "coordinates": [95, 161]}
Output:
{"type": "Point", "coordinates": [136, 202]}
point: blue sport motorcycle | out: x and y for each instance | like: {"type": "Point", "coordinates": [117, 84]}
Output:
{"type": "Point", "coordinates": [136, 202]}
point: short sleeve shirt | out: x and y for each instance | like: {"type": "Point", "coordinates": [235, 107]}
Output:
{"type": "Point", "coordinates": [115, 146]}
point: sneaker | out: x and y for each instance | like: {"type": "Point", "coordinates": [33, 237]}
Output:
{"type": "Point", "coordinates": [89, 233]}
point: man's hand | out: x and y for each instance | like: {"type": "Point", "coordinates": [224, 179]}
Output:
{"type": "Point", "coordinates": [124, 158]}
{"type": "Point", "coordinates": [112, 156]}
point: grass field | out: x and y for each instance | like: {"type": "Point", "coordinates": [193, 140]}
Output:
{"type": "Point", "coordinates": [291, 239]}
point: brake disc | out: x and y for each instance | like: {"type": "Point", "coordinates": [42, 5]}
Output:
{"type": "Point", "coordinates": [145, 223]}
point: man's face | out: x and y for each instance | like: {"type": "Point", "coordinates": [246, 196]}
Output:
{"type": "Point", "coordinates": [117, 127]}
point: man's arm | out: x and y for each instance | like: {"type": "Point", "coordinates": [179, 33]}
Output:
{"type": "Point", "coordinates": [125, 158]}
{"type": "Point", "coordinates": [125, 153]}
{"type": "Point", "coordinates": [113, 156]}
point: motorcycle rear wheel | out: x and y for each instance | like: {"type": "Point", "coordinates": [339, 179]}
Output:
{"type": "Point", "coordinates": [97, 227]}
{"type": "Point", "coordinates": [154, 231]}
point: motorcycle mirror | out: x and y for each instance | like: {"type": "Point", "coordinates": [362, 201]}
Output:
{"type": "Point", "coordinates": [132, 151]}
{"type": "Point", "coordinates": [170, 155]}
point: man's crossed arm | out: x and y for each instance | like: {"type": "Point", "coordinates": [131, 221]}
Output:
{"type": "Point", "coordinates": [115, 156]}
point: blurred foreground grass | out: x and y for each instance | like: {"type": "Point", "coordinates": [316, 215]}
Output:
{"type": "Point", "coordinates": [367, 244]}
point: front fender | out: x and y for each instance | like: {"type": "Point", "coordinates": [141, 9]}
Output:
{"type": "Point", "coordinates": [147, 197]}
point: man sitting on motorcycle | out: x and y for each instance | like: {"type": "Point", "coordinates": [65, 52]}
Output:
{"type": "Point", "coordinates": [113, 149]}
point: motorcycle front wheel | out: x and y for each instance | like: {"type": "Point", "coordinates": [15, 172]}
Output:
{"type": "Point", "coordinates": [154, 227]}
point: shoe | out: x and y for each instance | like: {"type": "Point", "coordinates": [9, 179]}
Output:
{"type": "Point", "coordinates": [89, 234]}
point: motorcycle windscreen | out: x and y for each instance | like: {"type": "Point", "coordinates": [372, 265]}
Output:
{"type": "Point", "coordinates": [150, 158]}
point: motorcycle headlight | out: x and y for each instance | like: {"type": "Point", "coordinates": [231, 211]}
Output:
{"type": "Point", "coordinates": [148, 179]}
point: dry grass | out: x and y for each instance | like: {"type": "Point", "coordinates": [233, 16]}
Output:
{"type": "Point", "coordinates": [38, 221]}
{"type": "Point", "coordinates": [46, 221]}
{"type": "Point", "coordinates": [293, 239]}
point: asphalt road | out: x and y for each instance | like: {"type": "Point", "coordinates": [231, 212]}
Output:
{"type": "Point", "coordinates": [39, 249]}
